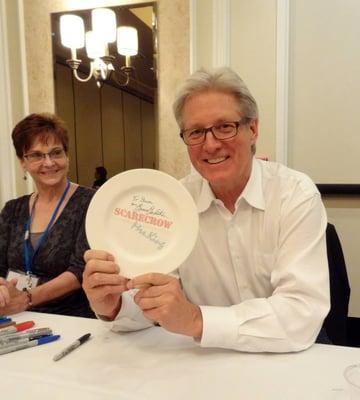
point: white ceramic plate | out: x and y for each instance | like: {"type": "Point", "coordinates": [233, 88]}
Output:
{"type": "Point", "coordinates": [146, 219]}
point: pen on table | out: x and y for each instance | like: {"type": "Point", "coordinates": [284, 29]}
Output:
{"type": "Point", "coordinates": [32, 343]}
{"type": "Point", "coordinates": [31, 333]}
{"type": "Point", "coordinates": [6, 324]}
{"type": "Point", "coordinates": [4, 319]}
{"type": "Point", "coordinates": [17, 328]}
{"type": "Point", "coordinates": [72, 347]}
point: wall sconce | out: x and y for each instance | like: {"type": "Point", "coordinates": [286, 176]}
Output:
{"type": "Point", "coordinates": [97, 41]}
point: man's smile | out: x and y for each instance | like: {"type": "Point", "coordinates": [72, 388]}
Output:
{"type": "Point", "coordinates": [216, 160]}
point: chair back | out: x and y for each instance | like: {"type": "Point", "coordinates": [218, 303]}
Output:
{"type": "Point", "coordinates": [335, 323]}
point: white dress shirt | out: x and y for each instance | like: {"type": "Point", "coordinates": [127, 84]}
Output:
{"type": "Point", "coordinates": [259, 275]}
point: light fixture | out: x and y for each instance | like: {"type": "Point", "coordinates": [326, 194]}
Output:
{"type": "Point", "coordinates": [103, 32]}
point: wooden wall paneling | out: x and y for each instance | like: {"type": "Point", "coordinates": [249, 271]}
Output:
{"type": "Point", "coordinates": [65, 109]}
{"type": "Point", "coordinates": [88, 130]}
{"type": "Point", "coordinates": [113, 130]}
{"type": "Point", "coordinates": [148, 134]}
{"type": "Point", "coordinates": [132, 131]}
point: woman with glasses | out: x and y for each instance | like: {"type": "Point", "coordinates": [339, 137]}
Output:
{"type": "Point", "coordinates": [42, 235]}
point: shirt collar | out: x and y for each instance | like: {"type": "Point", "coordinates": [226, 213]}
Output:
{"type": "Point", "coordinates": [206, 197]}
{"type": "Point", "coordinates": [252, 193]}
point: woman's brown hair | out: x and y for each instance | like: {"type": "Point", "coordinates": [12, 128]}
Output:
{"type": "Point", "coordinates": [39, 126]}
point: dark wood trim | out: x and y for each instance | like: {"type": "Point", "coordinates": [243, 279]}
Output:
{"type": "Point", "coordinates": [339, 188]}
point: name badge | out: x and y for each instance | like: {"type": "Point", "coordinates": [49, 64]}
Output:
{"type": "Point", "coordinates": [23, 280]}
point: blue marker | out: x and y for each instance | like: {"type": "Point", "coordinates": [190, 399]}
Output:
{"type": "Point", "coordinates": [4, 319]}
{"type": "Point", "coordinates": [32, 343]}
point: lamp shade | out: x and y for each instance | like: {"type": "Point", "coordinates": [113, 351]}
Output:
{"type": "Point", "coordinates": [95, 46]}
{"type": "Point", "coordinates": [104, 24]}
{"type": "Point", "coordinates": [72, 31]}
{"type": "Point", "coordinates": [127, 41]}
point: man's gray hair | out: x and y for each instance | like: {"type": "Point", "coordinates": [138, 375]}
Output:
{"type": "Point", "coordinates": [222, 79]}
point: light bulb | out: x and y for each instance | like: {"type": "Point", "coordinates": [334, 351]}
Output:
{"type": "Point", "coordinates": [95, 46]}
{"type": "Point", "coordinates": [104, 24]}
{"type": "Point", "coordinates": [72, 31]}
{"type": "Point", "coordinates": [127, 41]}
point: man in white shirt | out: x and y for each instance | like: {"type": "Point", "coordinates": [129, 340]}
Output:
{"type": "Point", "coordinates": [257, 279]}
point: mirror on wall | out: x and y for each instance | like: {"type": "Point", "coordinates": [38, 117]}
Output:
{"type": "Point", "coordinates": [115, 125]}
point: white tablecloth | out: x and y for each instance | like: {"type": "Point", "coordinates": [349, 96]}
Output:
{"type": "Point", "coordinates": [155, 364]}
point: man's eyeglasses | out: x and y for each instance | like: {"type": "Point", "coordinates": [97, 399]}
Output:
{"type": "Point", "coordinates": [38, 156]}
{"type": "Point", "coordinates": [223, 131]}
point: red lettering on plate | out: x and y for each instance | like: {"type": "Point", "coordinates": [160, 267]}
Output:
{"type": "Point", "coordinates": [141, 217]}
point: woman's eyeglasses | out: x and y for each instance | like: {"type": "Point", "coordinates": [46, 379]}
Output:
{"type": "Point", "coordinates": [38, 156]}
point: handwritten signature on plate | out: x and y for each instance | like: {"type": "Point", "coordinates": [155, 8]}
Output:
{"type": "Point", "coordinates": [149, 235]}
{"type": "Point", "coordinates": [140, 203]}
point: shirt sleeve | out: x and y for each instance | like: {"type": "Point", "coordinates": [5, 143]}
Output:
{"type": "Point", "coordinates": [130, 317]}
{"type": "Point", "coordinates": [290, 319]}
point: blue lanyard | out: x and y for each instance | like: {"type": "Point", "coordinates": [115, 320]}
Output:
{"type": "Point", "coordinates": [27, 259]}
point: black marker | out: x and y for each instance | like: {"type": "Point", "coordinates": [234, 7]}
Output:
{"type": "Point", "coordinates": [72, 347]}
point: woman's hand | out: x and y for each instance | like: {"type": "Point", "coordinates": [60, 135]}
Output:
{"type": "Point", "coordinates": [4, 293]}
{"type": "Point", "coordinates": [102, 283]}
{"type": "Point", "coordinates": [12, 300]}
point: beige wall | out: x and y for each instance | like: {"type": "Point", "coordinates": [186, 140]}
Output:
{"type": "Point", "coordinates": [16, 80]}
{"type": "Point", "coordinates": [173, 65]}
{"type": "Point", "coordinates": [253, 40]}
{"type": "Point", "coordinates": [203, 32]}
{"type": "Point", "coordinates": [252, 28]}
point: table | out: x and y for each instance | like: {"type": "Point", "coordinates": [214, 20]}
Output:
{"type": "Point", "coordinates": [155, 364]}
